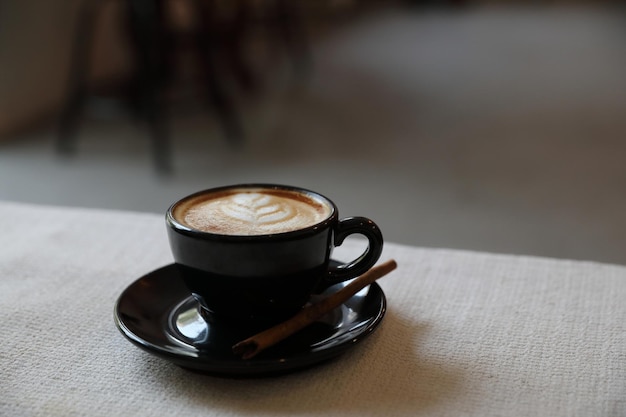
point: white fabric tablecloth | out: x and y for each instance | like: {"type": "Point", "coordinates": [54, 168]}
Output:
{"type": "Point", "coordinates": [466, 333]}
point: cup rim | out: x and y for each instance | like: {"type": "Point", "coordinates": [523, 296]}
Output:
{"type": "Point", "coordinates": [179, 227]}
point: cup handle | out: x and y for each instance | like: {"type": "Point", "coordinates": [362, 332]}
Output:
{"type": "Point", "coordinates": [362, 226]}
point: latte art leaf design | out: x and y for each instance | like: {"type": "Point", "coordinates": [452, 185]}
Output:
{"type": "Point", "coordinates": [249, 213]}
{"type": "Point", "coordinates": [257, 209]}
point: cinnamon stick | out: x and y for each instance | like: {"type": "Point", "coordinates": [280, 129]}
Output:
{"type": "Point", "coordinates": [251, 346]}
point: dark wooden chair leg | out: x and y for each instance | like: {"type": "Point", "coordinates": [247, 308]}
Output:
{"type": "Point", "coordinates": [208, 46]}
{"type": "Point", "coordinates": [290, 29]}
{"type": "Point", "coordinates": [234, 47]}
{"type": "Point", "coordinates": [76, 95]}
{"type": "Point", "coordinates": [147, 33]}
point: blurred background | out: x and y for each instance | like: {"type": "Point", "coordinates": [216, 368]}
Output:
{"type": "Point", "coordinates": [483, 125]}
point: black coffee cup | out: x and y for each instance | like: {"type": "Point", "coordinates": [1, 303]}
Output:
{"type": "Point", "coordinates": [237, 272]}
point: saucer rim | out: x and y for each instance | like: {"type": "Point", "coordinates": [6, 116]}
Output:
{"type": "Point", "coordinates": [197, 360]}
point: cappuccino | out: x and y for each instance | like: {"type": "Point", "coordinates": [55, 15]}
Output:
{"type": "Point", "coordinates": [255, 253]}
{"type": "Point", "coordinates": [252, 211]}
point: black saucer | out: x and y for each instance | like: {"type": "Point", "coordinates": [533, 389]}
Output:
{"type": "Point", "coordinates": [158, 314]}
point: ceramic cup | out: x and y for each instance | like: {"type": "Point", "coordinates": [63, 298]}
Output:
{"type": "Point", "coordinates": [257, 252]}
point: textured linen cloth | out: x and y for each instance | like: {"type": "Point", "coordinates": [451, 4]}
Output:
{"type": "Point", "coordinates": [465, 334]}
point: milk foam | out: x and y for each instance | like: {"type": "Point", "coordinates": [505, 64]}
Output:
{"type": "Point", "coordinates": [255, 212]}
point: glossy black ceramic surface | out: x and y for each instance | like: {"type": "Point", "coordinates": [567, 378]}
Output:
{"type": "Point", "coordinates": [158, 314]}
{"type": "Point", "coordinates": [267, 277]}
